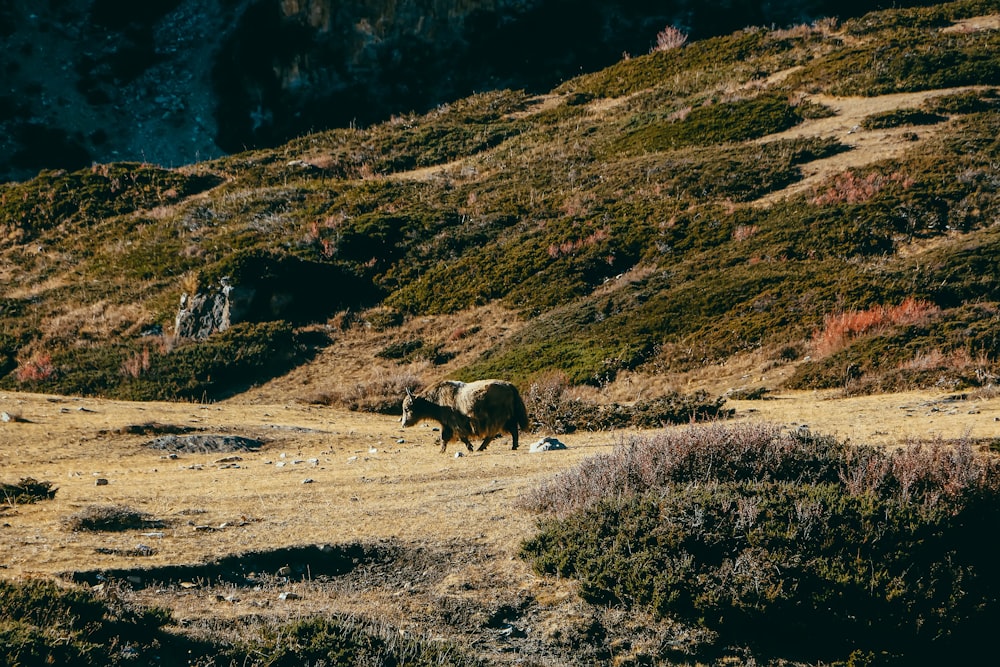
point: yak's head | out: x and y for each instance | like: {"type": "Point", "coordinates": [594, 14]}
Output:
{"type": "Point", "coordinates": [411, 408]}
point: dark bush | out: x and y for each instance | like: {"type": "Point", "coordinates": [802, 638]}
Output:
{"type": "Point", "coordinates": [223, 364]}
{"type": "Point", "coordinates": [113, 518]}
{"type": "Point", "coordinates": [900, 118]}
{"type": "Point", "coordinates": [400, 350]}
{"type": "Point", "coordinates": [549, 409]}
{"type": "Point", "coordinates": [26, 491]}
{"type": "Point", "coordinates": [745, 529]}
{"type": "Point", "coordinates": [45, 624]}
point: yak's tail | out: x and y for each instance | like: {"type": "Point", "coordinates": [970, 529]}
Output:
{"type": "Point", "coordinates": [520, 412]}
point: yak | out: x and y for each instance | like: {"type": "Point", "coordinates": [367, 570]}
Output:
{"type": "Point", "coordinates": [484, 409]}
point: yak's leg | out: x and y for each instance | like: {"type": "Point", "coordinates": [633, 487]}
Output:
{"type": "Point", "coordinates": [446, 434]}
{"type": "Point", "coordinates": [487, 440]}
{"type": "Point", "coordinates": [513, 436]}
{"type": "Point", "coordinates": [468, 443]}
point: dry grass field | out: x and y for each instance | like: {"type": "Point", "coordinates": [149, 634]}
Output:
{"type": "Point", "coordinates": [420, 541]}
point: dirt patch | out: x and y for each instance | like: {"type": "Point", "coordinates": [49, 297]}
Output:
{"type": "Point", "coordinates": [975, 24]}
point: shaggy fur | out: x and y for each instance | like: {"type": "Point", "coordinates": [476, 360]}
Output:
{"type": "Point", "coordinates": [483, 409]}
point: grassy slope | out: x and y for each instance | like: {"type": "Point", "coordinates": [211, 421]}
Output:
{"type": "Point", "coordinates": [666, 214]}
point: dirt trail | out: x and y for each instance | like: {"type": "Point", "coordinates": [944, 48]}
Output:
{"type": "Point", "coordinates": [867, 146]}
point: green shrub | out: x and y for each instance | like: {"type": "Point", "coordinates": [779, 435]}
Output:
{"type": "Point", "coordinates": [900, 118]}
{"type": "Point", "coordinates": [907, 59]}
{"type": "Point", "coordinates": [45, 624]}
{"type": "Point", "coordinates": [714, 124]}
{"type": "Point", "coordinates": [973, 101]}
{"type": "Point", "coordinates": [334, 641]}
{"type": "Point", "coordinates": [29, 208]}
{"type": "Point", "coordinates": [745, 529]}
{"type": "Point", "coordinates": [217, 367]}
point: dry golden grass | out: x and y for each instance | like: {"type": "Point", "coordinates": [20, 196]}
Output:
{"type": "Point", "coordinates": [370, 478]}
{"type": "Point", "coordinates": [453, 524]}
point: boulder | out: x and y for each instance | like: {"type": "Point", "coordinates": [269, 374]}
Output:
{"type": "Point", "coordinates": [547, 444]}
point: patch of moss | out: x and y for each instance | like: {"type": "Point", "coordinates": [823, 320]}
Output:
{"type": "Point", "coordinates": [712, 124]}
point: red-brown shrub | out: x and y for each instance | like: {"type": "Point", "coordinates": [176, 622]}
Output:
{"type": "Point", "coordinates": [36, 368]}
{"type": "Point", "coordinates": [840, 328]}
{"type": "Point", "coordinates": [852, 188]}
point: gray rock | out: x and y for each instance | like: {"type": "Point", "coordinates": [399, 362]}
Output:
{"type": "Point", "coordinates": [202, 444]}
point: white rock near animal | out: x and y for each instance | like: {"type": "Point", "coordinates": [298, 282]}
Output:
{"type": "Point", "coordinates": [547, 444]}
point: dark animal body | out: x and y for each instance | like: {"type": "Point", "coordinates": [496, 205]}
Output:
{"type": "Point", "coordinates": [482, 409]}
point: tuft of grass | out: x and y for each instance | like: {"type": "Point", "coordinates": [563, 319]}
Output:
{"type": "Point", "coordinates": [28, 490]}
{"type": "Point", "coordinates": [111, 518]}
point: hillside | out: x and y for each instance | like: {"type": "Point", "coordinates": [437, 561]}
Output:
{"type": "Point", "coordinates": [817, 203]}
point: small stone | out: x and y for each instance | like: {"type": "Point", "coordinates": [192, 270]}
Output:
{"type": "Point", "coordinates": [100, 481]}
{"type": "Point", "coordinates": [289, 596]}
{"type": "Point", "coordinates": [307, 480]}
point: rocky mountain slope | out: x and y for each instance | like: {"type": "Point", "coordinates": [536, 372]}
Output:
{"type": "Point", "coordinates": [174, 82]}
